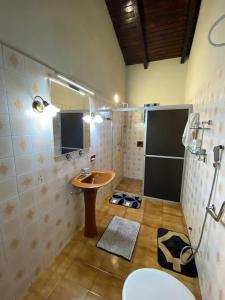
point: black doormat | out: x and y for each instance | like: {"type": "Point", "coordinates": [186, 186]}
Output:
{"type": "Point", "coordinates": [170, 244]}
{"type": "Point", "coordinates": [127, 200]}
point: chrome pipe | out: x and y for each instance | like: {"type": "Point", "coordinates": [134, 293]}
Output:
{"type": "Point", "coordinates": [212, 211]}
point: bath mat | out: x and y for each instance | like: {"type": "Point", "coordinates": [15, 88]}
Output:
{"type": "Point", "coordinates": [120, 237]}
{"type": "Point", "coordinates": [127, 200]}
{"type": "Point", "coordinates": [170, 244]}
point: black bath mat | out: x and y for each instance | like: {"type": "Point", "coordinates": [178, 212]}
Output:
{"type": "Point", "coordinates": [170, 244]}
{"type": "Point", "coordinates": [127, 200]}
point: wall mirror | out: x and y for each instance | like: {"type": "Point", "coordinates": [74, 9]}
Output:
{"type": "Point", "coordinates": [71, 133]}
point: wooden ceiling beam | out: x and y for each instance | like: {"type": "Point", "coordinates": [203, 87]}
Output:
{"type": "Point", "coordinates": [193, 11]}
{"type": "Point", "coordinates": [141, 33]}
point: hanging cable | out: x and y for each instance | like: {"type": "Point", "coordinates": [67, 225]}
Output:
{"type": "Point", "coordinates": [210, 33]}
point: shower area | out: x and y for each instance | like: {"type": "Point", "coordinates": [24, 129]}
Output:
{"type": "Point", "coordinates": [148, 154]}
{"type": "Point", "coordinates": [130, 145]}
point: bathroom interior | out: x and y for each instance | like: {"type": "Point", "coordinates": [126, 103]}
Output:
{"type": "Point", "coordinates": [112, 133]}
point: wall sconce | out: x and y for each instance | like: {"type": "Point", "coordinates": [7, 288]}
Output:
{"type": "Point", "coordinates": [40, 105]}
{"type": "Point", "coordinates": [93, 118]}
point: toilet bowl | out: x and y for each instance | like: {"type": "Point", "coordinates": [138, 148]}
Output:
{"type": "Point", "coordinates": [146, 284]}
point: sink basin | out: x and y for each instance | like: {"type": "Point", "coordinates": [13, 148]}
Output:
{"type": "Point", "coordinates": [95, 180]}
{"type": "Point", "coordinates": [90, 185]}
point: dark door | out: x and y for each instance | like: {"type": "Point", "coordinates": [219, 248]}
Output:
{"type": "Point", "coordinates": [164, 153]}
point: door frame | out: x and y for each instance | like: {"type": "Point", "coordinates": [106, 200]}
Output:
{"type": "Point", "coordinates": [166, 107]}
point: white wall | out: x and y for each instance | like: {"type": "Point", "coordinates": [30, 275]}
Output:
{"type": "Point", "coordinates": [39, 211]}
{"type": "Point", "coordinates": [163, 82]}
{"type": "Point", "coordinates": [206, 90]}
{"type": "Point", "coordinates": [75, 37]}
{"type": "Point", "coordinates": [205, 59]}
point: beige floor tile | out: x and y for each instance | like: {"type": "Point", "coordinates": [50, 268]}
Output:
{"type": "Point", "coordinates": [137, 211]}
{"type": "Point", "coordinates": [108, 286]}
{"type": "Point", "coordinates": [152, 220]}
{"type": "Point", "coordinates": [174, 223]}
{"type": "Point", "coordinates": [172, 210]}
{"type": "Point", "coordinates": [61, 264]}
{"type": "Point", "coordinates": [197, 291]}
{"type": "Point", "coordinates": [81, 274]}
{"type": "Point", "coordinates": [133, 217]}
{"type": "Point", "coordinates": [45, 283]}
{"type": "Point", "coordinates": [75, 245]}
{"type": "Point", "coordinates": [92, 296]}
{"type": "Point", "coordinates": [106, 220]}
{"type": "Point", "coordinates": [93, 241]}
{"type": "Point", "coordinates": [130, 185]}
{"type": "Point", "coordinates": [92, 256]}
{"type": "Point", "coordinates": [144, 257]}
{"type": "Point", "coordinates": [147, 238]}
{"type": "Point", "coordinates": [118, 266]}
{"type": "Point", "coordinates": [151, 205]}
{"type": "Point", "coordinates": [68, 290]}
{"type": "Point", "coordinates": [99, 216]}
{"type": "Point", "coordinates": [83, 271]}
{"type": "Point", "coordinates": [117, 210]}
{"type": "Point", "coordinates": [32, 296]}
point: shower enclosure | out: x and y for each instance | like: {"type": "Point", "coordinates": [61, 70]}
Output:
{"type": "Point", "coordinates": [153, 154]}
{"type": "Point", "coordinates": [164, 152]}
{"type": "Point", "coordinates": [133, 152]}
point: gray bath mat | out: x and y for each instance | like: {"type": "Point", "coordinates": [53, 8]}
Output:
{"type": "Point", "coordinates": [120, 237]}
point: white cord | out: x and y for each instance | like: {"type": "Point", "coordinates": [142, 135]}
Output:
{"type": "Point", "coordinates": [210, 33]}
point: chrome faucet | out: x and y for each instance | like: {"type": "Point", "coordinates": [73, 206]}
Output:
{"type": "Point", "coordinates": [85, 171]}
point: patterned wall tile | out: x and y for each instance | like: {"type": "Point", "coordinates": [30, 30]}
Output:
{"type": "Point", "coordinates": [7, 168]}
{"type": "Point", "coordinates": [210, 103]}
{"type": "Point", "coordinates": [6, 147]}
{"type": "Point", "coordinates": [133, 155]}
{"type": "Point", "coordinates": [4, 125]}
{"type": "Point", "coordinates": [8, 188]}
{"type": "Point", "coordinates": [3, 99]}
{"type": "Point", "coordinates": [39, 209]}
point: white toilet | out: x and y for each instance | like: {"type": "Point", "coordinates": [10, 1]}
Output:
{"type": "Point", "coordinates": [152, 284]}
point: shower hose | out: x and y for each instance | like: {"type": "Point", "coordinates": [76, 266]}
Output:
{"type": "Point", "coordinates": [195, 250]}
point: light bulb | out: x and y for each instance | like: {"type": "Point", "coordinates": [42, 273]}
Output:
{"type": "Point", "coordinates": [98, 119]}
{"type": "Point", "coordinates": [116, 98]}
{"type": "Point", "coordinates": [51, 110]}
{"type": "Point", "coordinates": [87, 119]}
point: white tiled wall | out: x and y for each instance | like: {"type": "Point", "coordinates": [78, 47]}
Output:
{"type": "Point", "coordinates": [38, 213]}
{"type": "Point", "coordinates": [210, 103]}
{"type": "Point", "coordinates": [118, 135]}
{"type": "Point", "coordinates": [133, 155]}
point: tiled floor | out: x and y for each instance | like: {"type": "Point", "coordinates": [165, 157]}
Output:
{"type": "Point", "coordinates": [82, 271]}
{"type": "Point", "coordinates": [130, 185]}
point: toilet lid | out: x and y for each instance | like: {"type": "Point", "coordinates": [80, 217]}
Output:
{"type": "Point", "coordinates": [152, 284]}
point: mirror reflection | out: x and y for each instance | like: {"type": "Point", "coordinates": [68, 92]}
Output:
{"type": "Point", "coordinates": [71, 133]}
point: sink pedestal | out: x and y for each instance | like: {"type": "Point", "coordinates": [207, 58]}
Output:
{"type": "Point", "coordinates": [90, 229]}
{"type": "Point", "coordinates": [90, 184]}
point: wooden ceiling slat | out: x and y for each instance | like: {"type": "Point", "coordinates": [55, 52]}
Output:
{"type": "Point", "coordinates": [150, 30]}
{"type": "Point", "coordinates": [165, 33]}
{"type": "Point", "coordinates": [165, 50]}
{"type": "Point", "coordinates": [154, 28]}
{"type": "Point", "coordinates": [165, 17]}
{"type": "Point", "coordinates": [165, 46]}
{"type": "Point", "coordinates": [166, 41]}
{"type": "Point", "coordinates": [194, 7]}
{"type": "Point", "coordinates": [161, 5]}
{"type": "Point", "coordinates": [162, 56]}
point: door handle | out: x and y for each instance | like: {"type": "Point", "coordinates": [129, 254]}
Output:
{"type": "Point", "coordinates": [163, 156]}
